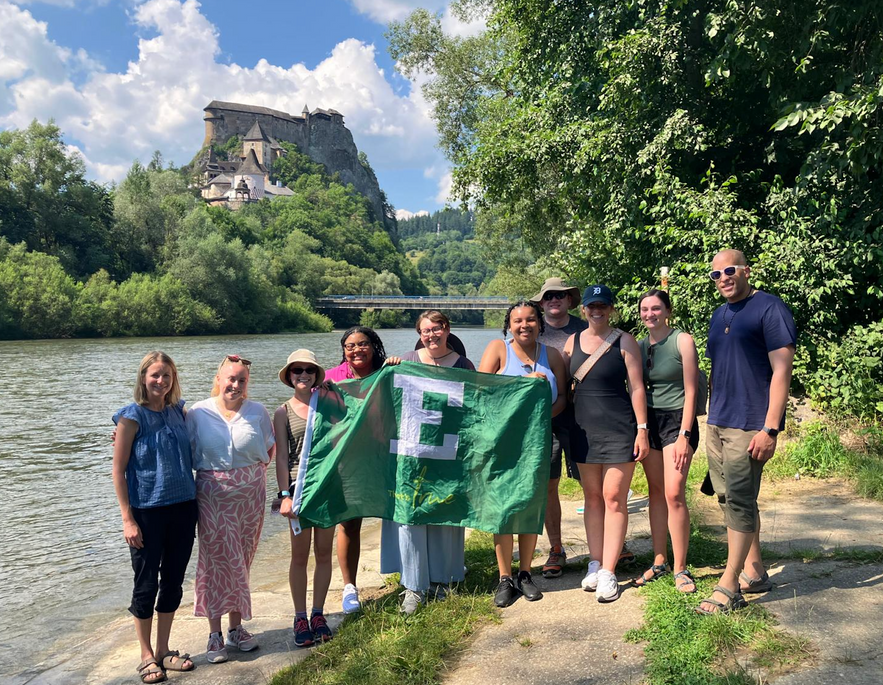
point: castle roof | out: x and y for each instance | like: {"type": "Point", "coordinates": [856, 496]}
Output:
{"type": "Point", "coordinates": [222, 179]}
{"type": "Point", "coordinates": [251, 165]}
{"type": "Point", "coordinates": [256, 132]}
{"type": "Point", "coordinates": [251, 109]}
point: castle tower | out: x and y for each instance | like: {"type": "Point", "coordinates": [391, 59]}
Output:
{"type": "Point", "coordinates": [253, 174]}
{"type": "Point", "coordinates": [258, 141]}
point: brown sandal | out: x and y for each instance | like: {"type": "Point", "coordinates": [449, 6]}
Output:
{"type": "Point", "coordinates": [169, 662]}
{"type": "Point", "coordinates": [735, 600]}
{"type": "Point", "coordinates": [684, 579]}
{"type": "Point", "coordinates": [149, 668]}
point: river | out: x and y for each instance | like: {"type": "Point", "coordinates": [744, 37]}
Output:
{"type": "Point", "coordinates": [63, 561]}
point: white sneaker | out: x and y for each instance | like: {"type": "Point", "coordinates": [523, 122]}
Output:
{"type": "Point", "coordinates": [216, 652]}
{"type": "Point", "coordinates": [241, 639]}
{"type": "Point", "coordinates": [590, 582]}
{"type": "Point", "coordinates": [351, 603]}
{"type": "Point", "coordinates": [608, 587]}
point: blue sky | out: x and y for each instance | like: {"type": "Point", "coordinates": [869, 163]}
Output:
{"type": "Point", "coordinates": [125, 77]}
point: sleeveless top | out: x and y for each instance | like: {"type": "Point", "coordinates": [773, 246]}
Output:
{"type": "Point", "coordinates": [665, 381]}
{"type": "Point", "coordinates": [608, 376]}
{"type": "Point", "coordinates": [297, 428]}
{"type": "Point", "coordinates": [516, 367]}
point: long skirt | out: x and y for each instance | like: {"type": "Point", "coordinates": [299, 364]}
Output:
{"type": "Point", "coordinates": [231, 516]}
{"type": "Point", "coordinates": [422, 554]}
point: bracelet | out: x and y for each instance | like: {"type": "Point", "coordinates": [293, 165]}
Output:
{"type": "Point", "coordinates": [282, 494]}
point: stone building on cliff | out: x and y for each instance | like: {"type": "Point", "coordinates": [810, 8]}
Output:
{"type": "Point", "coordinates": [320, 134]}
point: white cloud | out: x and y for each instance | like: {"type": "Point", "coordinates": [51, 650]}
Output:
{"type": "Point", "coordinates": [402, 214]}
{"type": "Point", "coordinates": [157, 102]}
{"type": "Point", "coordinates": [444, 180]}
{"type": "Point", "coordinates": [385, 11]}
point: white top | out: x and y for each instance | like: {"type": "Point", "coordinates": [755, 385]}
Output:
{"type": "Point", "coordinates": [220, 445]}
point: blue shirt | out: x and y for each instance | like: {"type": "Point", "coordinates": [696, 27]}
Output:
{"type": "Point", "coordinates": [740, 365]}
{"type": "Point", "coordinates": [160, 469]}
{"type": "Point", "coordinates": [516, 367]}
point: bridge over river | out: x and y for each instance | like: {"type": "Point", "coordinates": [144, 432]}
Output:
{"type": "Point", "coordinates": [410, 302]}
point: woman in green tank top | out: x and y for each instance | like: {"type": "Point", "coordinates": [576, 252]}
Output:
{"type": "Point", "coordinates": [671, 376]}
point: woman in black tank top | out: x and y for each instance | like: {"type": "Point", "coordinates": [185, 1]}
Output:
{"type": "Point", "coordinates": [610, 408]}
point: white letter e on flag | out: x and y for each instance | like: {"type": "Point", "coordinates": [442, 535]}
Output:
{"type": "Point", "coordinates": [414, 416]}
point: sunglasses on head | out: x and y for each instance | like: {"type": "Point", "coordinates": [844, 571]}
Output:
{"type": "Point", "coordinates": [298, 370]}
{"type": "Point", "coordinates": [236, 359]}
{"type": "Point", "coordinates": [727, 270]}
{"type": "Point", "coordinates": [555, 295]}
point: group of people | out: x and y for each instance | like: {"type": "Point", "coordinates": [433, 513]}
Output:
{"type": "Point", "coordinates": [615, 401]}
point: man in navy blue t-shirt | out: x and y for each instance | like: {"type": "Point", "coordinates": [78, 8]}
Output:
{"type": "Point", "coordinates": [751, 342]}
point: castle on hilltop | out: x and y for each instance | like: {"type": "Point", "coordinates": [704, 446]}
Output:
{"type": "Point", "coordinates": [320, 134]}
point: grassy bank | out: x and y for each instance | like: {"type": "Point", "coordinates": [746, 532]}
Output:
{"type": "Point", "coordinates": [818, 452]}
{"type": "Point", "coordinates": [380, 645]}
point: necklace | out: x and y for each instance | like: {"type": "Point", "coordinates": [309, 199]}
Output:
{"type": "Point", "coordinates": [532, 368]}
{"type": "Point", "coordinates": [226, 413]}
{"type": "Point", "coordinates": [435, 359]}
{"type": "Point", "coordinates": [727, 324]}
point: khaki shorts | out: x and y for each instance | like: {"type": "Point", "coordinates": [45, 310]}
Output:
{"type": "Point", "coordinates": [735, 476]}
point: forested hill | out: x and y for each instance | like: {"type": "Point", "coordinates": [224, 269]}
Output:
{"type": "Point", "coordinates": [148, 257]}
{"type": "Point", "coordinates": [443, 247]}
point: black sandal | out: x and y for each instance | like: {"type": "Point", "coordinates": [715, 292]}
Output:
{"type": "Point", "coordinates": [755, 585]}
{"type": "Point", "coordinates": [735, 600]}
{"type": "Point", "coordinates": [658, 570]}
{"type": "Point", "coordinates": [686, 578]}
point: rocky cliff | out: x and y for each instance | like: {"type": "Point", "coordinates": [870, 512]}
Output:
{"type": "Point", "coordinates": [321, 134]}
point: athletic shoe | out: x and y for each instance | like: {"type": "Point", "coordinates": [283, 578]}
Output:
{"type": "Point", "coordinates": [590, 582]}
{"type": "Point", "coordinates": [412, 601]}
{"type": "Point", "coordinates": [608, 587]}
{"type": "Point", "coordinates": [506, 592]}
{"type": "Point", "coordinates": [438, 591]}
{"type": "Point", "coordinates": [319, 626]}
{"type": "Point", "coordinates": [553, 566]}
{"type": "Point", "coordinates": [216, 652]}
{"type": "Point", "coordinates": [527, 587]}
{"type": "Point", "coordinates": [240, 638]}
{"type": "Point", "coordinates": [303, 636]}
{"type": "Point", "coordinates": [351, 603]}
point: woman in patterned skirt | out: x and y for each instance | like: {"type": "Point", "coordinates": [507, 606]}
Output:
{"type": "Point", "coordinates": [232, 439]}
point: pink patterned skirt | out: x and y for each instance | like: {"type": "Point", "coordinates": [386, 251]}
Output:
{"type": "Point", "coordinates": [231, 516]}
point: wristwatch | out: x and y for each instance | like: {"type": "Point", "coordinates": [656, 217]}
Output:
{"type": "Point", "coordinates": [772, 432]}
{"type": "Point", "coordinates": [642, 426]}
{"type": "Point", "coordinates": [686, 434]}
{"type": "Point", "coordinates": [282, 494]}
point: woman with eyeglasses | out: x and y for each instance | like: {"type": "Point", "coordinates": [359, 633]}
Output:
{"type": "Point", "coordinates": [671, 376]}
{"type": "Point", "coordinates": [232, 439]}
{"type": "Point", "coordinates": [610, 407]}
{"type": "Point", "coordinates": [153, 480]}
{"type": "Point", "coordinates": [428, 558]}
{"type": "Point", "coordinates": [363, 354]}
{"type": "Point", "coordinates": [303, 373]}
{"type": "Point", "coordinates": [523, 355]}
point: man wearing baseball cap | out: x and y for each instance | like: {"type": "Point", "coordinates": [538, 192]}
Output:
{"type": "Point", "coordinates": [556, 298]}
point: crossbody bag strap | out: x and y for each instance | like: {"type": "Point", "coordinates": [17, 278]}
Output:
{"type": "Point", "coordinates": [587, 365]}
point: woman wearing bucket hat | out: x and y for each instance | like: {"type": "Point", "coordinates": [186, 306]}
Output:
{"type": "Point", "coordinates": [303, 373]}
{"type": "Point", "coordinates": [611, 432]}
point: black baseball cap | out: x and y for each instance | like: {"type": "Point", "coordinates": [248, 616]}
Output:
{"type": "Point", "coordinates": [597, 293]}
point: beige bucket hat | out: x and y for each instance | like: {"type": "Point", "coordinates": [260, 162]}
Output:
{"type": "Point", "coordinates": [305, 357]}
{"type": "Point", "coordinates": [557, 285]}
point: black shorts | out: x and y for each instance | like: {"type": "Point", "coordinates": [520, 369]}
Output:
{"type": "Point", "coordinates": [561, 426]}
{"type": "Point", "coordinates": [664, 428]}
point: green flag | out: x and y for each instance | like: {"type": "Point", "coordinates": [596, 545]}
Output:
{"type": "Point", "coordinates": [422, 444]}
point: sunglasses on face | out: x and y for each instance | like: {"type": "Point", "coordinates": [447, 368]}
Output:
{"type": "Point", "coordinates": [435, 330]}
{"type": "Point", "coordinates": [298, 370]}
{"type": "Point", "coordinates": [364, 345]}
{"type": "Point", "coordinates": [726, 271]}
{"type": "Point", "coordinates": [236, 359]}
{"type": "Point", "coordinates": [556, 295]}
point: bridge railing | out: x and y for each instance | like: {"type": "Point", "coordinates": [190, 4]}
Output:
{"type": "Point", "coordinates": [411, 302]}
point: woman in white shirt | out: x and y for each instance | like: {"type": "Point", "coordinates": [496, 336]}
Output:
{"type": "Point", "coordinates": [232, 440]}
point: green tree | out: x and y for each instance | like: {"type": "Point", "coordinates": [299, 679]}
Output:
{"type": "Point", "coordinates": [620, 137]}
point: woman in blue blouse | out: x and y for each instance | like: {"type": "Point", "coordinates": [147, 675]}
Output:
{"type": "Point", "coordinates": [153, 480]}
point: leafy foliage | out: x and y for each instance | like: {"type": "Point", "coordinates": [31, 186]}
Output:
{"type": "Point", "coordinates": [620, 137]}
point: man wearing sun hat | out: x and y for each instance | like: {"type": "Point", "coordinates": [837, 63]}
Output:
{"type": "Point", "coordinates": [556, 298]}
